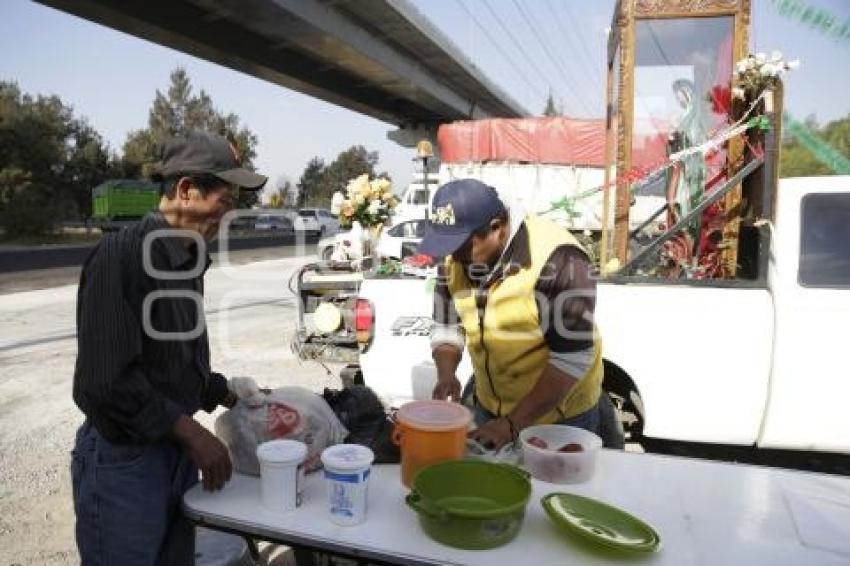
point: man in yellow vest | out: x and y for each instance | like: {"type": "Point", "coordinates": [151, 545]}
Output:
{"type": "Point", "coordinates": [516, 291]}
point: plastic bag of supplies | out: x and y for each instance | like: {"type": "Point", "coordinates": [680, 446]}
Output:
{"type": "Point", "coordinates": [293, 413]}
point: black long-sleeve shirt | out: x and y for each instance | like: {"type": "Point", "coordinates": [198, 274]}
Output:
{"type": "Point", "coordinates": [131, 382]}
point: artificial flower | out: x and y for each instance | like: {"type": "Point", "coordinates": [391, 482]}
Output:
{"type": "Point", "coordinates": [369, 202]}
{"type": "Point", "coordinates": [336, 203]}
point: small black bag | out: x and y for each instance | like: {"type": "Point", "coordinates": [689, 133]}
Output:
{"type": "Point", "coordinates": [362, 413]}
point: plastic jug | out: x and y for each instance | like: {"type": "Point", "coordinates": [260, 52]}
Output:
{"type": "Point", "coordinates": [429, 432]}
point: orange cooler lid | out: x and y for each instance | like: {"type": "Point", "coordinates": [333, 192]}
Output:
{"type": "Point", "coordinates": [434, 415]}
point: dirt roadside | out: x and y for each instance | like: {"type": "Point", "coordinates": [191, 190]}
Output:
{"type": "Point", "coordinates": [38, 418]}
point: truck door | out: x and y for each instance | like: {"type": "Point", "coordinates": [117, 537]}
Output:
{"type": "Point", "coordinates": [810, 384]}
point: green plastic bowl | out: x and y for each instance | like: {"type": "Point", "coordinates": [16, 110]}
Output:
{"type": "Point", "coordinates": [470, 504]}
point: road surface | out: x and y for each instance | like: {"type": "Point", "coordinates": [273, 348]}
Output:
{"type": "Point", "coordinates": [250, 315]}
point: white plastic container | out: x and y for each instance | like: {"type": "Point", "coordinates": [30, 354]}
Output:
{"type": "Point", "coordinates": [346, 470]}
{"type": "Point", "coordinates": [281, 474]}
{"type": "Point", "coordinates": [549, 465]}
{"type": "Point", "coordinates": [423, 378]}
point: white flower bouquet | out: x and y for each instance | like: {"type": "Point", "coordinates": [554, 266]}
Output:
{"type": "Point", "coordinates": [370, 203]}
{"type": "Point", "coordinates": [759, 72]}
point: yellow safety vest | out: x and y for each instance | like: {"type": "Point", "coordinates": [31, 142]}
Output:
{"type": "Point", "coordinates": [511, 353]}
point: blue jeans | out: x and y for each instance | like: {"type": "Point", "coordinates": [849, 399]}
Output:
{"type": "Point", "coordinates": [127, 499]}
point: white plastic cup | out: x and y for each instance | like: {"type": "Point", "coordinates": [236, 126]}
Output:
{"type": "Point", "coordinates": [346, 469]}
{"type": "Point", "coordinates": [423, 377]}
{"type": "Point", "coordinates": [281, 474]}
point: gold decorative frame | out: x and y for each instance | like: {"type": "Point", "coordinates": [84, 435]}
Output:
{"type": "Point", "coordinates": [622, 37]}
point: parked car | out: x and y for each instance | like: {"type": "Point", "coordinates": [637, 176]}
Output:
{"type": "Point", "coordinates": [316, 221]}
{"type": "Point", "coordinates": [397, 242]}
{"type": "Point", "coordinates": [274, 222]}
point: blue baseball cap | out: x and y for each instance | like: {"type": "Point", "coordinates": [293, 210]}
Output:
{"type": "Point", "coordinates": [458, 209]}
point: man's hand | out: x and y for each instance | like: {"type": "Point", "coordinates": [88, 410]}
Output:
{"type": "Point", "coordinates": [493, 434]}
{"type": "Point", "coordinates": [206, 451]}
{"type": "Point", "coordinates": [446, 389]}
{"type": "Point", "coordinates": [446, 358]}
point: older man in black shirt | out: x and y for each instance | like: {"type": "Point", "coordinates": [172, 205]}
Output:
{"type": "Point", "coordinates": [143, 365]}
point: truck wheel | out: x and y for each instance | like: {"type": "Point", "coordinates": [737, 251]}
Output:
{"type": "Point", "coordinates": [610, 425]}
{"type": "Point", "coordinates": [626, 401]}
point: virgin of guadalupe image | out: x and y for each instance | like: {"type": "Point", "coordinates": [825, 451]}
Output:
{"type": "Point", "coordinates": [686, 178]}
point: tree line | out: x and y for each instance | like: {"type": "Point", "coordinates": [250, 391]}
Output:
{"type": "Point", "coordinates": [51, 159]}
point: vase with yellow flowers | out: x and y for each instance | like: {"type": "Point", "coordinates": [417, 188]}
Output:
{"type": "Point", "coordinates": [369, 203]}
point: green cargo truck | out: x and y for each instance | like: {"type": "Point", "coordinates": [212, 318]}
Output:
{"type": "Point", "coordinates": [123, 199]}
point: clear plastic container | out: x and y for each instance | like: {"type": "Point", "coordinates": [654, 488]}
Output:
{"type": "Point", "coordinates": [550, 465]}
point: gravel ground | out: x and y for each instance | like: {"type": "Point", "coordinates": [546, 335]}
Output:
{"type": "Point", "coordinates": [250, 316]}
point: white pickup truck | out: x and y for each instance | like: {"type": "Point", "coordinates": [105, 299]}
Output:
{"type": "Point", "coordinates": [752, 362]}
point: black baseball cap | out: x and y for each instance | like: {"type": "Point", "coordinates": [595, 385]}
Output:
{"type": "Point", "coordinates": [458, 209]}
{"type": "Point", "coordinates": [204, 153]}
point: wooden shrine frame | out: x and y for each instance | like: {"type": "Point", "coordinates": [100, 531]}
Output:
{"type": "Point", "coordinates": [619, 143]}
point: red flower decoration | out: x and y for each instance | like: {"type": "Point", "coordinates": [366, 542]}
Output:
{"type": "Point", "coordinates": [721, 100]}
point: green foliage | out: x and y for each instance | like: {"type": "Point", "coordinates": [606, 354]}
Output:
{"type": "Point", "coordinates": [176, 113]}
{"type": "Point", "coordinates": [388, 268]}
{"type": "Point", "coordinates": [319, 182]}
{"type": "Point", "coordinates": [49, 160]}
{"type": "Point", "coordinates": [310, 181]}
{"type": "Point", "coordinates": [283, 195]}
{"type": "Point", "coordinates": [811, 150]}
{"type": "Point", "coordinates": [551, 109]}
{"type": "Point", "coordinates": [351, 163]}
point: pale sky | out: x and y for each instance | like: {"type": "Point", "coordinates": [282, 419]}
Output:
{"type": "Point", "coordinates": [110, 77]}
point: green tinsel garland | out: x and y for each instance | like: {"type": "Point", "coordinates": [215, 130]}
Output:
{"type": "Point", "coordinates": [816, 18]}
{"type": "Point", "coordinates": [821, 150]}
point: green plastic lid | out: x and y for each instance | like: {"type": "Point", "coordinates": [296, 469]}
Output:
{"type": "Point", "coordinates": [600, 523]}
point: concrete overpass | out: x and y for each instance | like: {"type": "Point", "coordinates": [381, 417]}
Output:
{"type": "Point", "coordinates": [378, 57]}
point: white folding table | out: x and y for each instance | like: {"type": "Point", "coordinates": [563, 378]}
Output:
{"type": "Point", "coordinates": [705, 513]}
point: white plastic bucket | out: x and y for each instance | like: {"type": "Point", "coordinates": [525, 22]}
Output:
{"type": "Point", "coordinates": [281, 473]}
{"type": "Point", "coordinates": [214, 548]}
{"type": "Point", "coordinates": [346, 469]}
